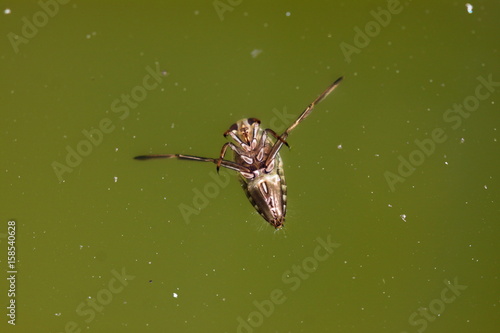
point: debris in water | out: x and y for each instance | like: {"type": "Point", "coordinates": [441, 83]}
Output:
{"type": "Point", "coordinates": [255, 53]}
{"type": "Point", "coordinates": [469, 8]}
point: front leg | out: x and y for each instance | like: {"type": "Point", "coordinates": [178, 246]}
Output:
{"type": "Point", "coordinates": [222, 154]}
{"type": "Point", "coordinates": [237, 150]}
{"type": "Point", "coordinates": [276, 136]}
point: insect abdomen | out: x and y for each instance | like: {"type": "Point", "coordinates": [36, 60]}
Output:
{"type": "Point", "coordinates": [267, 193]}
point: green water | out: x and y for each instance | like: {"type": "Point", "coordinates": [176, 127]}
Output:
{"type": "Point", "coordinates": [392, 190]}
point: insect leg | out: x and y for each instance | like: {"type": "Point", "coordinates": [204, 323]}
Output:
{"type": "Point", "coordinates": [276, 136]}
{"type": "Point", "coordinates": [277, 146]}
{"type": "Point", "coordinates": [224, 163]}
{"type": "Point", "coordinates": [222, 153]}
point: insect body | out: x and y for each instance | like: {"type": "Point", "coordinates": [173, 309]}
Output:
{"type": "Point", "coordinates": [257, 160]}
{"type": "Point", "coordinates": [264, 182]}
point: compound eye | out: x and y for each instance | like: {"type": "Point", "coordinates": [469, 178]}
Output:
{"type": "Point", "coordinates": [253, 120]}
{"type": "Point", "coordinates": [233, 128]}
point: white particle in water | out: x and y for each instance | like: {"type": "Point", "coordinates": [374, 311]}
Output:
{"type": "Point", "coordinates": [469, 8]}
{"type": "Point", "coordinates": [255, 53]}
{"type": "Point", "coordinates": [403, 217]}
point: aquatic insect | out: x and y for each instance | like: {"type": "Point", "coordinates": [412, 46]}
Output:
{"type": "Point", "coordinates": [257, 160]}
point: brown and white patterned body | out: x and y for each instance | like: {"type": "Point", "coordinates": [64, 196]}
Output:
{"type": "Point", "coordinates": [257, 160]}
{"type": "Point", "coordinates": [264, 184]}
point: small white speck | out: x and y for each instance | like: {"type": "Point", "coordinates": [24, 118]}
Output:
{"type": "Point", "coordinates": [88, 36]}
{"type": "Point", "coordinates": [339, 147]}
{"type": "Point", "coordinates": [57, 314]}
{"type": "Point", "coordinates": [116, 179]}
{"type": "Point", "coordinates": [485, 187]}
{"type": "Point", "coordinates": [175, 295]}
{"type": "Point", "coordinates": [469, 8]}
{"type": "Point", "coordinates": [403, 217]}
{"type": "Point", "coordinates": [389, 205]}
{"type": "Point", "coordinates": [6, 11]}
{"type": "Point", "coordinates": [287, 13]}
{"type": "Point", "coordinates": [172, 126]}
{"type": "Point", "coordinates": [255, 53]}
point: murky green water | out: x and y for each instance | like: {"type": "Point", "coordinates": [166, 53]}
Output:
{"type": "Point", "coordinates": [393, 181]}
